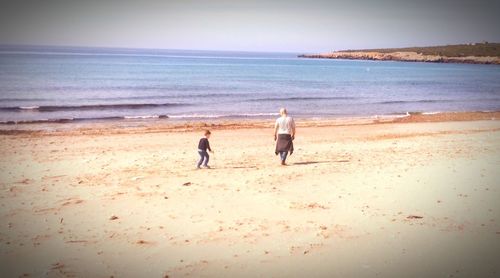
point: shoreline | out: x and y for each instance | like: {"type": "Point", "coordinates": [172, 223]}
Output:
{"type": "Point", "coordinates": [168, 125]}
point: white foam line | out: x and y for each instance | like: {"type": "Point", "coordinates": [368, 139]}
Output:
{"type": "Point", "coordinates": [142, 117]}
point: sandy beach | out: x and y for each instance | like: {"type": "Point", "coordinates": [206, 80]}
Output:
{"type": "Point", "coordinates": [409, 197]}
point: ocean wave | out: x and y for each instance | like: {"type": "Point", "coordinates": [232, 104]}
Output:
{"type": "Point", "coordinates": [28, 107]}
{"type": "Point", "coordinates": [212, 116]}
{"type": "Point", "coordinates": [438, 101]}
{"type": "Point", "coordinates": [299, 98]}
{"type": "Point", "coordinates": [430, 113]}
{"type": "Point", "coordinates": [22, 99]}
{"type": "Point", "coordinates": [56, 108]}
{"type": "Point", "coordinates": [141, 117]}
{"type": "Point", "coordinates": [146, 117]}
{"type": "Point", "coordinates": [415, 101]}
{"type": "Point", "coordinates": [177, 96]}
{"type": "Point", "coordinates": [121, 87]}
{"type": "Point", "coordinates": [125, 98]}
{"type": "Point", "coordinates": [69, 120]}
{"type": "Point", "coordinates": [38, 121]}
{"type": "Point", "coordinates": [393, 115]}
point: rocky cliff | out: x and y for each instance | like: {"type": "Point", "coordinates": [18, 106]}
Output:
{"type": "Point", "coordinates": [484, 54]}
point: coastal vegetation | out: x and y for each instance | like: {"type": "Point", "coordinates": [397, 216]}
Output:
{"type": "Point", "coordinates": [484, 49]}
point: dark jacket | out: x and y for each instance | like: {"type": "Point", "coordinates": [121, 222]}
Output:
{"type": "Point", "coordinates": [204, 145]}
{"type": "Point", "coordinates": [284, 143]}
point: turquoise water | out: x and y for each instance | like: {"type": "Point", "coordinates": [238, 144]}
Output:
{"type": "Point", "coordinates": [49, 84]}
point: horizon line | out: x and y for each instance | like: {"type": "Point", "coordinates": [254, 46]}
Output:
{"type": "Point", "coordinates": [125, 48]}
{"type": "Point", "coordinates": [140, 48]}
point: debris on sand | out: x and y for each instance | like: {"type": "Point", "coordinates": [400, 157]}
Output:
{"type": "Point", "coordinates": [71, 201]}
{"type": "Point", "coordinates": [295, 205]}
{"type": "Point", "coordinates": [25, 181]}
{"type": "Point", "coordinates": [76, 241]}
{"type": "Point", "coordinates": [316, 205]}
{"type": "Point", "coordinates": [57, 265]}
{"type": "Point", "coordinates": [113, 217]}
{"type": "Point", "coordinates": [414, 217]}
{"type": "Point", "coordinates": [186, 184]}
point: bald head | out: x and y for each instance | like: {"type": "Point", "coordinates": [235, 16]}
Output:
{"type": "Point", "coordinates": [283, 111]}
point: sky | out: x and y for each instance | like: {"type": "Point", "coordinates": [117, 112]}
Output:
{"type": "Point", "coordinates": [301, 26]}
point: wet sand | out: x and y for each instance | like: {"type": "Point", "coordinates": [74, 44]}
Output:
{"type": "Point", "coordinates": [405, 197]}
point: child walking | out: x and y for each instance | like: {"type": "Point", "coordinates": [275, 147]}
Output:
{"type": "Point", "coordinates": [203, 145]}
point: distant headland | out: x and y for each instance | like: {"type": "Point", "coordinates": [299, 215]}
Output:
{"type": "Point", "coordinates": [476, 53]}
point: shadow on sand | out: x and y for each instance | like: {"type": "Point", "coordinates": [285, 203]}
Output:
{"type": "Point", "coordinates": [319, 162]}
{"type": "Point", "coordinates": [239, 167]}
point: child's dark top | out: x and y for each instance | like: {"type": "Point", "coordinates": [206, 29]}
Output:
{"type": "Point", "coordinates": [204, 145]}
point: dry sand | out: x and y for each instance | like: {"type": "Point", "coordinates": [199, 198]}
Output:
{"type": "Point", "coordinates": [417, 199]}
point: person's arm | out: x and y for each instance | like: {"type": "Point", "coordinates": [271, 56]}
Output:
{"type": "Point", "coordinates": [208, 146]}
{"type": "Point", "coordinates": [275, 130]}
{"type": "Point", "coordinates": [293, 128]}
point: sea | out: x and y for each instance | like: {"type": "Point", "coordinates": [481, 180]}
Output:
{"type": "Point", "coordinates": [66, 84]}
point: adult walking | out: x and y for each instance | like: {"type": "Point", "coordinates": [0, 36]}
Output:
{"type": "Point", "coordinates": [284, 134]}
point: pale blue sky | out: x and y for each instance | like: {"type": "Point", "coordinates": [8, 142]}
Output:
{"type": "Point", "coordinates": [291, 26]}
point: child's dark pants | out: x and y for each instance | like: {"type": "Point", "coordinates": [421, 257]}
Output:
{"type": "Point", "coordinates": [203, 157]}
